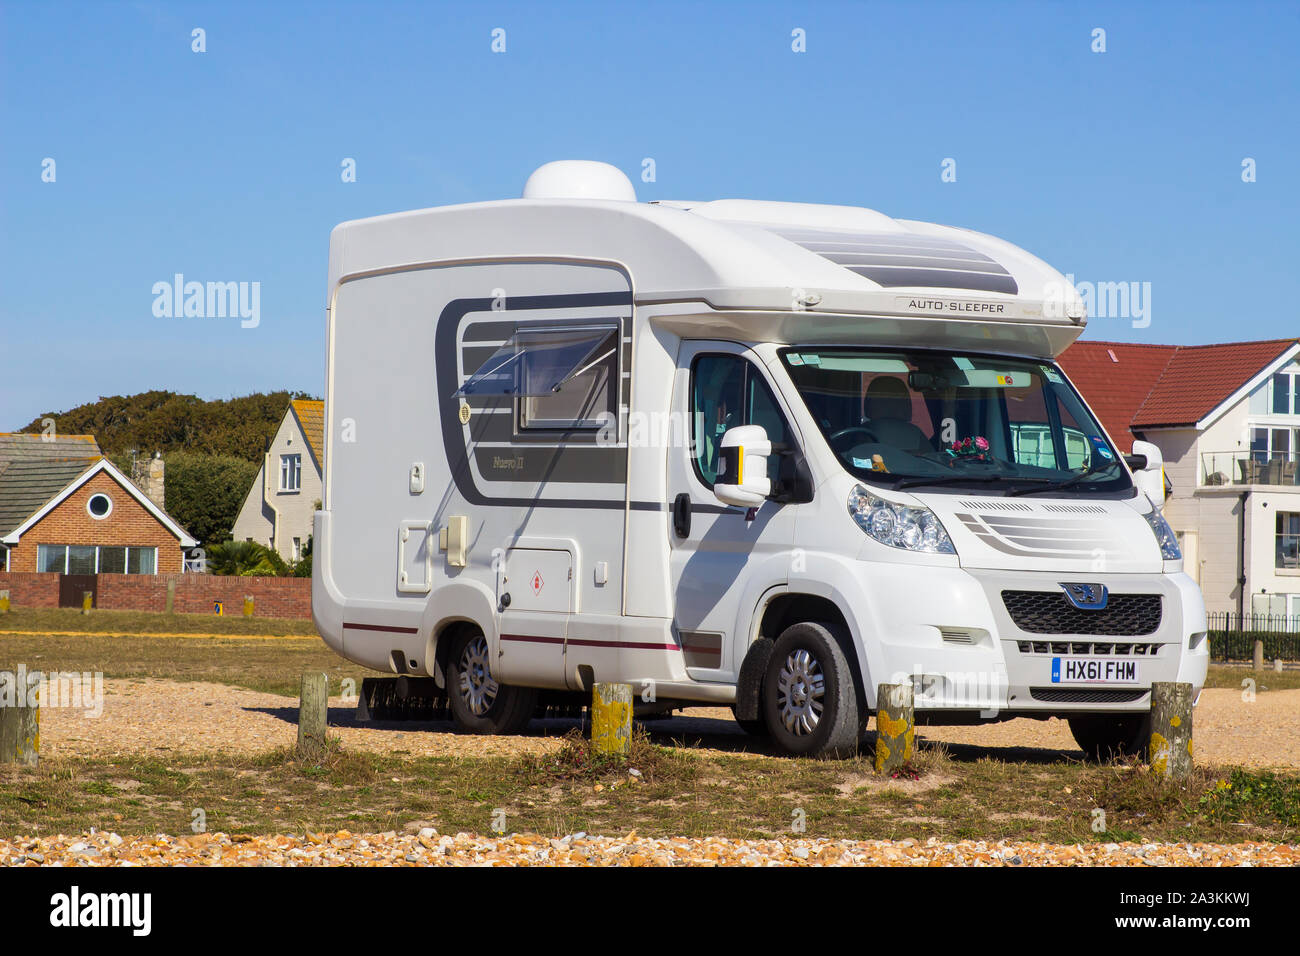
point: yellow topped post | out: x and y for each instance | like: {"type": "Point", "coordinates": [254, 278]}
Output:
{"type": "Point", "coordinates": [611, 719]}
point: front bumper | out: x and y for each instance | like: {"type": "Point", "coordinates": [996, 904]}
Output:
{"type": "Point", "coordinates": [948, 632]}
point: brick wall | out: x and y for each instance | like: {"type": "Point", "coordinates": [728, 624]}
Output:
{"type": "Point", "coordinates": [31, 590]}
{"type": "Point", "coordinates": [129, 523]}
{"type": "Point", "coordinates": [195, 593]}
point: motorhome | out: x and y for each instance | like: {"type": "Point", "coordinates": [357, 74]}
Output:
{"type": "Point", "coordinates": [746, 454]}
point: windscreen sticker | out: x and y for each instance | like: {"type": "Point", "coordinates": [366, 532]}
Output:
{"type": "Point", "coordinates": [1052, 374]}
{"type": "Point", "coordinates": [794, 358]}
{"type": "Point", "coordinates": [1101, 446]}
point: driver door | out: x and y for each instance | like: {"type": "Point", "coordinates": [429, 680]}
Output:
{"type": "Point", "coordinates": [720, 385]}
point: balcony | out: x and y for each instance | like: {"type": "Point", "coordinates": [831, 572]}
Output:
{"type": "Point", "coordinates": [1249, 468]}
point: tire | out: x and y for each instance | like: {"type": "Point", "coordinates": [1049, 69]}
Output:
{"type": "Point", "coordinates": [1102, 738]}
{"type": "Point", "coordinates": [755, 728]}
{"type": "Point", "coordinates": [809, 701]}
{"type": "Point", "coordinates": [480, 705]}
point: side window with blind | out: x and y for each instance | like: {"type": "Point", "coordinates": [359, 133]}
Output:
{"type": "Point", "coordinates": [561, 378]}
{"type": "Point", "coordinates": [726, 391]}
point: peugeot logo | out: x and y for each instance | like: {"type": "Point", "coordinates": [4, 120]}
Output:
{"type": "Point", "coordinates": [1086, 597]}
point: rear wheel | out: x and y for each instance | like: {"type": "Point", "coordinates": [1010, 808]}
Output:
{"type": "Point", "coordinates": [809, 701]}
{"type": "Point", "coordinates": [479, 704]}
{"type": "Point", "coordinates": [1101, 738]}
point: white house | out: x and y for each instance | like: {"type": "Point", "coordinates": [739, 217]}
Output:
{"type": "Point", "coordinates": [278, 509]}
{"type": "Point", "coordinates": [1227, 419]}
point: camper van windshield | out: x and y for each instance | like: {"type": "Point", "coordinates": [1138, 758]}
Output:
{"type": "Point", "coordinates": [916, 418]}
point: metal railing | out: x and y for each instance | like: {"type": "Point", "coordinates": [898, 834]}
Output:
{"type": "Point", "coordinates": [1249, 468]}
{"type": "Point", "coordinates": [1232, 636]}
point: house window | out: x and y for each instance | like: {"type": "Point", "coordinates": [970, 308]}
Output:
{"type": "Point", "coordinates": [99, 506]}
{"type": "Point", "coordinates": [81, 558]}
{"type": "Point", "coordinates": [1274, 444]}
{"type": "Point", "coordinates": [93, 559]}
{"type": "Point", "coordinates": [112, 560]}
{"type": "Point", "coordinates": [297, 548]}
{"type": "Point", "coordinates": [141, 560]}
{"type": "Point", "coordinates": [1286, 393]}
{"type": "Point", "coordinates": [1288, 540]}
{"type": "Point", "coordinates": [290, 472]}
{"type": "Point", "coordinates": [52, 557]}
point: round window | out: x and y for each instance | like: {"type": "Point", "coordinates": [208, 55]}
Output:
{"type": "Point", "coordinates": [99, 505]}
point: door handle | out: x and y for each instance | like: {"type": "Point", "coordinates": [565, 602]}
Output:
{"type": "Point", "coordinates": [682, 515]}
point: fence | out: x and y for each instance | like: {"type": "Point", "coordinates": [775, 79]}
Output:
{"type": "Point", "coordinates": [1233, 636]}
{"type": "Point", "coordinates": [191, 593]}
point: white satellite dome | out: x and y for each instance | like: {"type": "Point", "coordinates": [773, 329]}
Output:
{"type": "Point", "coordinates": [579, 179]}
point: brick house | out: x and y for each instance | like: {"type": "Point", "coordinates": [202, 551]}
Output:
{"type": "Point", "coordinates": [65, 508]}
{"type": "Point", "coordinates": [1227, 421]}
{"type": "Point", "coordinates": [280, 507]}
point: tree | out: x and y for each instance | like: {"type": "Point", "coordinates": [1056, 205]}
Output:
{"type": "Point", "coordinates": [204, 493]}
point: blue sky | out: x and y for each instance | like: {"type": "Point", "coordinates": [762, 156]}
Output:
{"type": "Point", "coordinates": [225, 165]}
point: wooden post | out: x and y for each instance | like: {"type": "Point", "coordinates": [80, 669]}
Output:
{"type": "Point", "coordinates": [87, 601]}
{"type": "Point", "coordinates": [313, 715]}
{"type": "Point", "coordinates": [20, 717]}
{"type": "Point", "coordinates": [248, 605]}
{"type": "Point", "coordinates": [1170, 752]}
{"type": "Point", "coordinates": [895, 727]}
{"type": "Point", "coordinates": [171, 595]}
{"type": "Point", "coordinates": [1259, 655]}
{"type": "Point", "coordinates": [611, 719]}
{"type": "Point", "coordinates": [4, 601]}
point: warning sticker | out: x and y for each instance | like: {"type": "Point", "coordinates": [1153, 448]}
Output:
{"type": "Point", "coordinates": [537, 582]}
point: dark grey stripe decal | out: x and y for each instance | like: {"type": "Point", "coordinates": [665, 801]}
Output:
{"type": "Point", "coordinates": [915, 262]}
{"type": "Point", "coordinates": [590, 464]}
{"type": "Point", "coordinates": [929, 279]}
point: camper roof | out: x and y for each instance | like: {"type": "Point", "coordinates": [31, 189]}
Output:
{"type": "Point", "coordinates": [735, 255]}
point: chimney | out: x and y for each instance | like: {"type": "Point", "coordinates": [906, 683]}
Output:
{"type": "Point", "coordinates": [148, 475]}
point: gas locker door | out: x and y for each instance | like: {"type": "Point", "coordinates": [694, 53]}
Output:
{"type": "Point", "coordinates": [535, 594]}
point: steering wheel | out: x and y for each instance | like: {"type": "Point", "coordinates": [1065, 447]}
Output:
{"type": "Point", "coordinates": [870, 435]}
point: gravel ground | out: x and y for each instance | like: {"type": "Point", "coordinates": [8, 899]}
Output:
{"type": "Point", "coordinates": [153, 716]}
{"type": "Point", "coordinates": [428, 848]}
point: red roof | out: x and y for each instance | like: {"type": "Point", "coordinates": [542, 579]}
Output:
{"type": "Point", "coordinates": [1115, 379]}
{"type": "Point", "coordinates": [1142, 386]}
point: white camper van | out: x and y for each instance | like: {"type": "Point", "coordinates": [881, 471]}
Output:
{"type": "Point", "coordinates": [751, 454]}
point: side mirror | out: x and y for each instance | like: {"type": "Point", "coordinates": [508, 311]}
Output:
{"type": "Point", "coordinates": [1149, 475]}
{"type": "Point", "coordinates": [742, 467]}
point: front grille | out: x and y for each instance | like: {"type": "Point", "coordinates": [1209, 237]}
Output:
{"type": "Point", "coordinates": [1048, 612]}
{"type": "Point", "coordinates": [1088, 648]}
{"type": "Point", "coordinates": [1056, 695]}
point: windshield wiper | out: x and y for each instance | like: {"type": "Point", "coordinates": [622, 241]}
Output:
{"type": "Point", "coordinates": [953, 479]}
{"type": "Point", "coordinates": [1059, 485]}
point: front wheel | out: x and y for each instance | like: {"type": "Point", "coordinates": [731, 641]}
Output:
{"type": "Point", "coordinates": [1101, 738]}
{"type": "Point", "coordinates": [479, 704]}
{"type": "Point", "coordinates": [809, 701]}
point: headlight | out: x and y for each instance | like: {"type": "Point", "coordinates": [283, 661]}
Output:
{"type": "Point", "coordinates": [1165, 536]}
{"type": "Point", "coordinates": [899, 526]}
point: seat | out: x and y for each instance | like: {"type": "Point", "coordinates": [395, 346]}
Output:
{"type": "Point", "coordinates": [888, 410]}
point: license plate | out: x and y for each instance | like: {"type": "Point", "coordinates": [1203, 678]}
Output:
{"type": "Point", "coordinates": [1093, 670]}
